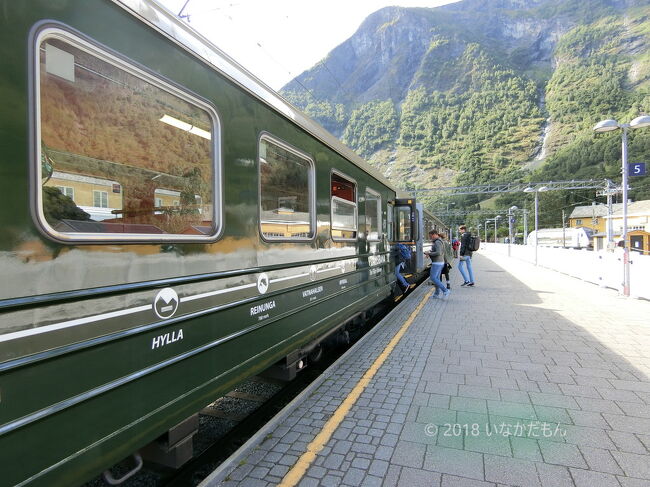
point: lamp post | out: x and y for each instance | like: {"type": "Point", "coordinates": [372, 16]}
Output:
{"type": "Point", "coordinates": [525, 211]}
{"type": "Point", "coordinates": [496, 219]}
{"type": "Point", "coordinates": [608, 126]}
{"type": "Point", "coordinates": [536, 191]}
{"type": "Point", "coordinates": [485, 225]}
{"type": "Point", "coordinates": [563, 229]}
{"type": "Point", "coordinates": [510, 222]}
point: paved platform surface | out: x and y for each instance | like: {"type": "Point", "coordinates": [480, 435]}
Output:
{"type": "Point", "coordinates": [531, 378]}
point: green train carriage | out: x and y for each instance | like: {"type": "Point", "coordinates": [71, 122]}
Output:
{"type": "Point", "coordinates": [171, 227]}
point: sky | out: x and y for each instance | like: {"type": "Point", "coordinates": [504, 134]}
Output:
{"type": "Point", "coordinates": [277, 40]}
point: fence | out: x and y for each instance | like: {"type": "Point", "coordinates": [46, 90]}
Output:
{"type": "Point", "coordinates": [600, 267]}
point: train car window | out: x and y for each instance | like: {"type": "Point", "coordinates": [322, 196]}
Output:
{"type": "Point", "coordinates": [428, 226]}
{"type": "Point", "coordinates": [123, 155]}
{"type": "Point", "coordinates": [286, 194]}
{"type": "Point", "coordinates": [344, 207]}
{"type": "Point", "coordinates": [373, 215]}
{"type": "Point", "coordinates": [403, 224]}
{"type": "Point", "coordinates": [390, 208]}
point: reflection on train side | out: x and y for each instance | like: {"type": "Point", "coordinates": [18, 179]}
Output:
{"type": "Point", "coordinates": [105, 169]}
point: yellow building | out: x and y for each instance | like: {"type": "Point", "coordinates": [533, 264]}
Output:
{"type": "Point", "coordinates": [101, 197]}
{"type": "Point", "coordinates": [166, 197]}
{"type": "Point", "coordinates": [638, 224]}
{"type": "Point", "coordinates": [96, 196]}
{"type": "Point", "coordinates": [592, 216]}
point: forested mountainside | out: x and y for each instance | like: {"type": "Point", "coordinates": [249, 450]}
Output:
{"type": "Point", "coordinates": [488, 90]}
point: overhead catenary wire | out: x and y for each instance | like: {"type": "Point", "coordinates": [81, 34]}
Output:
{"type": "Point", "coordinates": [258, 43]}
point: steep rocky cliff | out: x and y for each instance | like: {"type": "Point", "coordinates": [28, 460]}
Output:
{"type": "Point", "coordinates": [465, 93]}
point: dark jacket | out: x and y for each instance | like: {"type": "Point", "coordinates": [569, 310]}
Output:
{"type": "Point", "coordinates": [437, 252]}
{"type": "Point", "coordinates": [464, 245]}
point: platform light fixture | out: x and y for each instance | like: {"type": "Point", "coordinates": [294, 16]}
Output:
{"type": "Point", "coordinates": [510, 210]}
{"type": "Point", "coordinates": [610, 125]}
{"type": "Point", "coordinates": [496, 219]}
{"type": "Point", "coordinates": [531, 189]}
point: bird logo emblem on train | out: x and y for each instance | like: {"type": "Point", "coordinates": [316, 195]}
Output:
{"type": "Point", "coordinates": [313, 272]}
{"type": "Point", "coordinates": [166, 303]}
{"type": "Point", "coordinates": [262, 283]}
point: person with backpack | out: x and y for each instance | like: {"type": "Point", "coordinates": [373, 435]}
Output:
{"type": "Point", "coordinates": [468, 245]}
{"type": "Point", "coordinates": [403, 256]}
{"type": "Point", "coordinates": [437, 255]}
{"type": "Point", "coordinates": [449, 258]}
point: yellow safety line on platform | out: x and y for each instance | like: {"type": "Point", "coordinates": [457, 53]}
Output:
{"type": "Point", "coordinates": [297, 472]}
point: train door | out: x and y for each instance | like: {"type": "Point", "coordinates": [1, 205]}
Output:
{"type": "Point", "coordinates": [405, 227]}
{"type": "Point", "coordinates": [404, 221]}
{"type": "Point", "coordinates": [421, 236]}
{"type": "Point", "coordinates": [390, 229]}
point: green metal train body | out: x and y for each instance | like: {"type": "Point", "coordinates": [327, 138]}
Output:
{"type": "Point", "coordinates": [172, 227]}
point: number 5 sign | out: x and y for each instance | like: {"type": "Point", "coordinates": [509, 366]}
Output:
{"type": "Point", "coordinates": [636, 169]}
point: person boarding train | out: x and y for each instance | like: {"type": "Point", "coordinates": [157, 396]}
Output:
{"type": "Point", "coordinates": [437, 255]}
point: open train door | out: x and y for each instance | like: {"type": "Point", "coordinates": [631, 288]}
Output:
{"type": "Point", "coordinates": [405, 221]}
{"type": "Point", "coordinates": [405, 228]}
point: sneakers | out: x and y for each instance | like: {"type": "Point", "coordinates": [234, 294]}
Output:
{"type": "Point", "coordinates": [448, 286]}
{"type": "Point", "coordinates": [466, 283]}
{"type": "Point", "coordinates": [446, 294]}
{"type": "Point", "coordinates": [470, 284]}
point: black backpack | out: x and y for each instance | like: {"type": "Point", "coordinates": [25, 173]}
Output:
{"type": "Point", "coordinates": [474, 243]}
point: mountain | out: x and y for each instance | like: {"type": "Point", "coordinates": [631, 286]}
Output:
{"type": "Point", "coordinates": [487, 90]}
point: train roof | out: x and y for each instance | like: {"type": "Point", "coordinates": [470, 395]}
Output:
{"type": "Point", "coordinates": [167, 23]}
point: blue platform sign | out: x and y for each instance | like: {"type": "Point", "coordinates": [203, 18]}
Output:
{"type": "Point", "coordinates": [636, 169]}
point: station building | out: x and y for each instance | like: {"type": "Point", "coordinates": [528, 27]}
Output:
{"type": "Point", "coordinates": [596, 218]}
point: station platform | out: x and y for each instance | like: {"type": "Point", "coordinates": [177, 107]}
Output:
{"type": "Point", "coordinates": [530, 378]}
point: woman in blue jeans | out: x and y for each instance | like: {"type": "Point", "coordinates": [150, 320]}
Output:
{"type": "Point", "coordinates": [437, 255]}
{"type": "Point", "coordinates": [465, 257]}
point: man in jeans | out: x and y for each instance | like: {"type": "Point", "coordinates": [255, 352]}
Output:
{"type": "Point", "coordinates": [465, 257]}
{"type": "Point", "coordinates": [437, 255]}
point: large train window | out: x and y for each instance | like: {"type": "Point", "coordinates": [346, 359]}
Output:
{"type": "Point", "coordinates": [344, 207]}
{"type": "Point", "coordinates": [373, 215]}
{"type": "Point", "coordinates": [403, 224]}
{"type": "Point", "coordinates": [122, 154]}
{"type": "Point", "coordinates": [428, 226]}
{"type": "Point", "coordinates": [286, 194]}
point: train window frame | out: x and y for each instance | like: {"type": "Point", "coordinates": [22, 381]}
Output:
{"type": "Point", "coordinates": [377, 196]}
{"type": "Point", "coordinates": [390, 230]}
{"type": "Point", "coordinates": [399, 210]}
{"type": "Point", "coordinates": [354, 204]}
{"type": "Point", "coordinates": [311, 185]}
{"type": "Point", "coordinates": [61, 32]}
